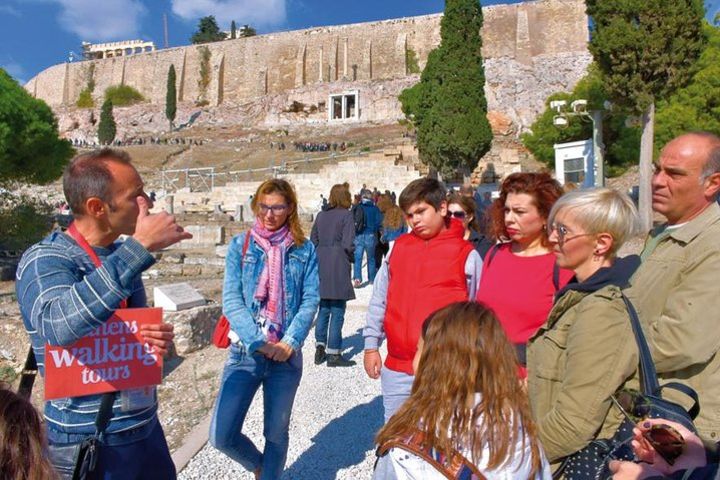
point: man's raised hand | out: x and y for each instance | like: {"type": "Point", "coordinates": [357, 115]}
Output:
{"type": "Point", "coordinates": [157, 231]}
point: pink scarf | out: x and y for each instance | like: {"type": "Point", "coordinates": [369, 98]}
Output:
{"type": "Point", "coordinates": [271, 285]}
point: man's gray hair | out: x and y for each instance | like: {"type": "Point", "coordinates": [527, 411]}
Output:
{"type": "Point", "coordinates": [87, 175]}
{"type": "Point", "coordinates": [712, 164]}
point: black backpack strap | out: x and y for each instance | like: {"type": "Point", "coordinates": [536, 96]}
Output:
{"type": "Point", "coordinates": [556, 276]}
{"type": "Point", "coordinates": [29, 372]}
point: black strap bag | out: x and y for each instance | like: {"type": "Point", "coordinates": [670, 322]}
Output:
{"type": "Point", "coordinates": [591, 463]}
{"type": "Point", "coordinates": [72, 461]}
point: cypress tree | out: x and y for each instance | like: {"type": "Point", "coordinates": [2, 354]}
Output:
{"type": "Point", "coordinates": [645, 50]}
{"type": "Point", "coordinates": [448, 106]}
{"type": "Point", "coordinates": [171, 97]}
{"type": "Point", "coordinates": [106, 127]}
{"type": "Point", "coordinates": [233, 30]}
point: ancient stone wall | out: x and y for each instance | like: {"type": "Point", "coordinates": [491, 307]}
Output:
{"type": "Point", "coordinates": [532, 38]}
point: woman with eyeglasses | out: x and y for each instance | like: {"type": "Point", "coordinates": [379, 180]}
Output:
{"type": "Point", "coordinates": [270, 296]}
{"type": "Point", "coordinates": [585, 351]}
{"type": "Point", "coordinates": [520, 277]}
{"type": "Point", "coordinates": [463, 208]}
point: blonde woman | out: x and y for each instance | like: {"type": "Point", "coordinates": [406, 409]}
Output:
{"type": "Point", "coordinates": [585, 351]}
{"type": "Point", "coordinates": [270, 297]}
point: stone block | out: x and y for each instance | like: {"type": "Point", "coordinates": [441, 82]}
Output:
{"type": "Point", "coordinates": [177, 296]}
{"type": "Point", "coordinates": [221, 251]}
{"type": "Point", "coordinates": [169, 269]}
{"type": "Point", "coordinates": [173, 258]}
{"type": "Point", "coordinates": [193, 327]}
{"type": "Point", "coordinates": [209, 270]}
{"type": "Point", "coordinates": [204, 236]}
{"type": "Point", "coordinates": [191, 270]}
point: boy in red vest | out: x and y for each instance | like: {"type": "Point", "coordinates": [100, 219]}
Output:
{"type": "Point", "coordinates": [427, 269]}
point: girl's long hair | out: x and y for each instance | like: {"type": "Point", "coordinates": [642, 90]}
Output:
{"type": "Point", "coordinates": [466, 352]}
{"type": "Point", "coordinates": [282, 187]}
{"type": "Point", "coordinates": [22, 440]}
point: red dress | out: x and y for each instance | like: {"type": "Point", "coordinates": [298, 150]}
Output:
{"type": "Point", "coordinates": [519, 290]}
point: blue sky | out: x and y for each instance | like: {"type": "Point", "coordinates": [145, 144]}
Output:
{"type": "Point", "coordinates": [35, 34]}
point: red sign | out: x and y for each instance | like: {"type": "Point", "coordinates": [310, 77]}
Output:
{"type": "Point", "coordinates": [113, 357]}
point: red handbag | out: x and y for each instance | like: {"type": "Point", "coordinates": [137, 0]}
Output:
{"type": "Point", "coordinates": [222, 328]}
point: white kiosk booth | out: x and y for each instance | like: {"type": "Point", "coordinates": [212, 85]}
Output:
{"type": "Point", "coordinates": [575, 163]}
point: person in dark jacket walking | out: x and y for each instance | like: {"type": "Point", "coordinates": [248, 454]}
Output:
{"type": "Point", "coordinates": [333, 235]}
{"type": "Point", "coordinates": [366, 239]}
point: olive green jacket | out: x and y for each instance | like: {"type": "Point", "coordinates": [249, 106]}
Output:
{"type": "Point", "coordinates": [583, 354]}
{"type": "Point", "coordinates": [676, 292]}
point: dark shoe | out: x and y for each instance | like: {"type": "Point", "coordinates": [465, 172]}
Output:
{"type": "Point", "coordinates": [320, 354]}
{"type": "Point", "coordinates": [338, 361]}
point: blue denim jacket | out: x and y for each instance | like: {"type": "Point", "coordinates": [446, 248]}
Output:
{"type": "Point", "coordinates": [302, 295]}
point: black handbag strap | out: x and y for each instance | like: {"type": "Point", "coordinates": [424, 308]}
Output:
{"type": "Point", "coordinates": [648, 375]}
{"type": "Point", "coordinates": [649, 384]}
{"type": "Point", "coordinates": [102, 420]}
{"type": "Point", "coordinates": [29, 372]}
{"type": "Point", "coordinates": [695, 409]}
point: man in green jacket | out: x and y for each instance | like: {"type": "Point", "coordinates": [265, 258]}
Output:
{"type": "Point", "coordinates": [675, 290]}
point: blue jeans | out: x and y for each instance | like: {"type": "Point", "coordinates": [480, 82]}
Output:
{"type": "Point", "coordinates": [395, 388]}
{"type": "Point", "coordinates": [241, 378]}
{"type": "Point", "coordinates": [328, 329]}
{"type": "Point", "coordinates": [365, 243]}
{"type": "Point", "coordinates": [146, 457]}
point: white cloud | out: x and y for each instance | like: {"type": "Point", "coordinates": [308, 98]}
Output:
{"type": "Point", "coordinates": [9, 10]}
{"type": "Point", "coordinates": [101, 20]}
{"type": "Point", "coordinates": [258, 13]}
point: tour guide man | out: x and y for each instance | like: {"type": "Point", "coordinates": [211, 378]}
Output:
{"type": "Point", "coordinates": [63, 297]}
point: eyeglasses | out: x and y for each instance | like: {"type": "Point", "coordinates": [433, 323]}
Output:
{"type": "Point", "coordinates": [274, 209]}
{"type": "Point", "coordinates": [460, 215]}
{"type": "Point", "coordinates": [562, 233]}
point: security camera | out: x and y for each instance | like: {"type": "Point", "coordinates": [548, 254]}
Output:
{"type": "Point", "coordinates": [560, 121]}
{"type": "Point", "coordinates": [558, 105]}
{"type": "Point", "coordinates": [579, 106]}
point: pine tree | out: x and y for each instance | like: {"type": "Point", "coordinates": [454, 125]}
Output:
{"type": "Point", "coordinates": [448, 106]}
{"type": "Point", "coordinates": [233, 30]}
{"type": "Point", "coordinates": [31, 149]}
{"type": "Point", "coordinates": [207, 31]}
{"type": "Point", "coordinates": [106, 127]}
{"type": "Point", "coordinates": [171, 97]}
{"type": "Point", "coordinates": [645, 50]}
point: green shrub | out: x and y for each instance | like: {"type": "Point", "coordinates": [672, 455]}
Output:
{"type": "Point", "coordinates": [24, 220]}
{"type": "Point", "coordinates": [123, 95]}
{"type": "Point", "coordinates": [85, 99]}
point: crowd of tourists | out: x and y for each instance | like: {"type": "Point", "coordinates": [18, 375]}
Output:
{"type": "Point", "coordinates": [83, 143]}
{"type": "Point", "coordinates": [318, 146]}
{"type": "Point", "coordinates": [520, 344]}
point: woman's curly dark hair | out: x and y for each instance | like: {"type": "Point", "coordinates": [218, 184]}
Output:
{"type": "Point", "coordinates": [544, 189]}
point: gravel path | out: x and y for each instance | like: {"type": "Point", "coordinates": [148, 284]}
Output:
{"type": "Point", "coordinates": [336, 415]}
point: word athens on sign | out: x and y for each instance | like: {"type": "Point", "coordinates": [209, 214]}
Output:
{"type": "Point", "coordinates": [113, 357]}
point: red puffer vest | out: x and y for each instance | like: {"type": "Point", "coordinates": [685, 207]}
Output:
{"type": "Point", "coordinates": [425, 275]}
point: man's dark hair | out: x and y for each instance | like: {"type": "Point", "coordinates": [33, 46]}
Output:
{"type": "Point", "coordinates": [426, 190]}
{"type": "Point", "coordinates": [87, 175]}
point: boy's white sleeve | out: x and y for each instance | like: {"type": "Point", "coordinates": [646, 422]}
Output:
{"type": "Point", "coordinates": [473, 272]}
{"type": "Point", "coordinates": [373, 332]}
